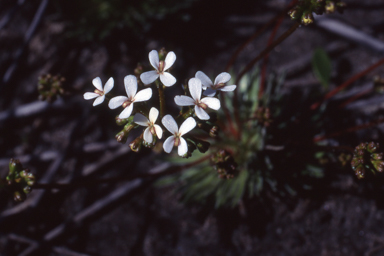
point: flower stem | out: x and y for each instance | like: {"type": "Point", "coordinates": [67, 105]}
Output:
{"type": "Point", "coordinates": [265, 60]}
{"type": "Point", "coordinates": [351, 129]}
{"type": "Point", "coordinates": [258, 33]}
{"type": "Point", "coordinates": [160, 88]}
{"type": "Point", "coordinates": [347, 83]}
{"type": "Point", "coordinates": [267, 50]}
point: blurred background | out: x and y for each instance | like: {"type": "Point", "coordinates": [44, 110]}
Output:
{"type": "Point", "coordinates": [69, 141]}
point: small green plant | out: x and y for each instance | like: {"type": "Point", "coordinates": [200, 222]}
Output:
{"type": "Point", "coordinates": [19, 181]}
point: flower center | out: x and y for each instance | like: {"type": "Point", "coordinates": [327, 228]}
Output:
{"type": "Point", "coordinates": [128, 102]}
{"type": "Point", "coordinates": [201, 105]}
{"type": "Point", "coordinates": [101, 93]}
{"type": "Point", "coordinates": [218, 86]}
{"type": "Point", "coordinates": [161, 66]}
{"type": "Point", "coordinates": [177, 140]}
{"type": "Point", "coordinates": [152, 129]}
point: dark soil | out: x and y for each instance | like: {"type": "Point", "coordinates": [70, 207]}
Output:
{"type": "Point", "coordinates": [70, 141]}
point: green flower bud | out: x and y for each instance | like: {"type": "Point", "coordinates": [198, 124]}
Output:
{"type": "Point", "coordinates": [122, 136]}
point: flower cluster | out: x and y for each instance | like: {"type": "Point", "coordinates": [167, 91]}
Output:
{"type": "Point", "coordinates": [203, 94]}
{"type": "Point", "coordinates": [304, 9]}
{"type": "Point", "coordinates": [365, 158]}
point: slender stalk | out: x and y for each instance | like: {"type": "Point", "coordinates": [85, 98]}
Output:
{"type": "Point", "coordinates": [257, 34]}
{"type": "Point", "coordinates": [347, 83]}
{"type": "Point", "coordinates": [160, 88]}
{"type": "Point", "coordinates": [252, 63]}
{"type": "Point", "coordinates": [352, 129]}
{"type": "Point", "coordinates": [355, 97]}
{"type": "Point", "coordinates": [265, 61]}
{"type": "Point", "coordinates": [229, 123]}
{"type": "Point", "coordinates": [267, 50]}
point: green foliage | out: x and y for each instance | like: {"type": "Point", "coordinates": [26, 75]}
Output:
{"type": "Point", "coordinates": [96, 19]}
{"type": "Point", "coordinates": [321, 65]}
{"type": "Point", "coordinates": [282, 170]}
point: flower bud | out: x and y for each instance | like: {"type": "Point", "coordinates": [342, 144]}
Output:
{"type": "Point", "coordinates": [122, 136]}
{"type": "Point", "coordinates": [123, 121]}
{"type": "Point", "coordinates": [214, 131]}
{"type": "Point", "coordinates": [307, 18]}
{"type": "Point", "coordinates": [19, 180]}
{"type": "Point", "coordinates": [136, 144]}
{"type": "Point", "coordinates": [202, 146]}
{"type": "Point", "coordinates": [330, 7]}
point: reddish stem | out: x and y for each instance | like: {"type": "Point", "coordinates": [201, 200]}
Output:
{"type": "Point", "coordinates": [347, 83]}
{"type": "Point", "coordinates": [258, 33]}
{"type": "Point", "coordinates": [355, 97]}
{"type": "Point", "coordinates": [265, 61]}
{"type": "Point", "coordinates": [229, 123]}
{"type": "Point", "coordinates": [352, 129]}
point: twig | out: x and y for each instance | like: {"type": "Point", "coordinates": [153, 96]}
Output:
{"type": "Point", "coordinates": [33, 245]}
{"type": "Point", "coordinates": [4, 21]}
{"type": "Point", "coordinates": [28, 35]}
{"type": "Point", "coordinates": [30, 109]}
{"type": "Point", "coordinates": [350, 33]}
{"type": "Point", "coordinates": [159, 171]}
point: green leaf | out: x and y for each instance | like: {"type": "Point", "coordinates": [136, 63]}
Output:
{"type": "Point", "coordinates": [321, 65]}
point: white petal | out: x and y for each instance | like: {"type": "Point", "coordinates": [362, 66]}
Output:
{"type": "Point", "coordinates": [90, 95]}
{"type": "Point", "coordinates": [149, 77]}
{"type": "Point", "coordinates": [194, 85]}
{"type": "Point", "coordinates": [159, 131]}
{"type": "Point", "coordinates": [108, 85]}
{"type": "Point", "coordinates": [130, 83]}
{"type": "Point", "coordinates": [167, 79]}
{"type": "Point", "coordinates": [140, 120]}
{"type": "Point", "coordinates": [228, 88]}
{"type": "Point", "coordinates": [170, 124]}
{"type": "Point", "coordinates": [116, 102]}
{"type": "Point", "coordinates": [209, 92]}
{"type": "Point", "coordinates": [148, 135]}
{"type": "Point", "coordinates": [205, 81]}
{"type": "Point", "coordinates": [99, 100]}
{"type": "Point", "coordinates": [222, 78]}
{"type": "Point", "coordinates": [126, 112]}
{"type": "Point", "coordinates": [213, 103]}
{"type": "Point", "coordinates": [201, 114]}
{"type": "Point", "coordinates": [97, 83]}
{"type": "Point", "coordinates": [153, 114]}
{"type": "Point", "coordinates": [187, 126]}
{"type": "Point", "coordinates": [169, 60]}
{"type": "Point", "coordinates": [154, 59]}
{"type": "Point", "coordinates": [182, 149]}
{"type": "Point", "coordinates": [143, 95]}
{"type": "Point", "coordinates": [168, 144]}
{"type": "Point", "coordinates": [182, 100]}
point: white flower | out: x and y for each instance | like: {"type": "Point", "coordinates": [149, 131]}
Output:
{"type": "Point", "coordinates": [152, 128]}
{"type": "Point", "coordinates": [201, 105]}
{"type": "Point", "coordinates": [99, 93]}
{"type": "Point", "coordinates": [176, 139]}
{"type": "Point", "coordinates": [219, 84]}
{"type": "Point", "coordinates": [166, 78]}
{"type": "Point", "coordinates": [130, 83]}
